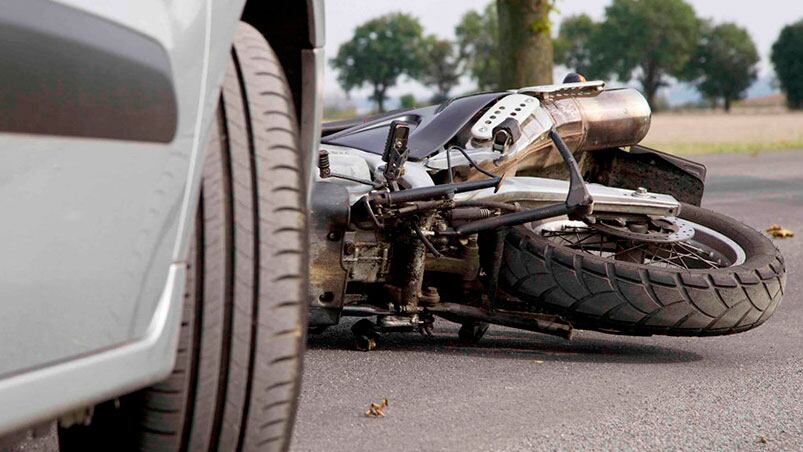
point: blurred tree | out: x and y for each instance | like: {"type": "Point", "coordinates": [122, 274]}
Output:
{"type": "Point", "coordinates": [334, 112]}
{"type": "Point", "coordinates": [525, 42]}
{"type": "Point", "coordinates": [478, 44]}
{"type": "Point", "coordinates": [407, 101]}
{"type": "Point", "coordinates": [441, 67]}
{"type": "Point", "coordinates": [575, 47]}
{"type": "Point", "coordinates": [724, 64]}
{"type": "Point", "coordinates": [651, 39]}
{"type": "Point", "coordinates": [787, 57]}
{"type": "Point", "coordinates": [380, 51]}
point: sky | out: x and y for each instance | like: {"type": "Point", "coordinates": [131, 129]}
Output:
{"type": "Point", "coordinates": [763, 19]}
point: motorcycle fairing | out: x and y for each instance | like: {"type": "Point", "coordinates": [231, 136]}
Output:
{"type": "Point", "coordinates": [432, 127]}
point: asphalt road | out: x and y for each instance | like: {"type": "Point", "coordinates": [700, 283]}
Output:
{"type": "Point", "coordinates": [518, 391]}
{"type": "Point", "coordinates": [523, 391]}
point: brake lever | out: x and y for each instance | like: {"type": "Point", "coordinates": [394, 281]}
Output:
{"type": "Point", "coordinates": [578, 204]}
{"type": "Point", "coordinates": [396, 151]}
{"type": "Point", "coordinates": [578, 198]}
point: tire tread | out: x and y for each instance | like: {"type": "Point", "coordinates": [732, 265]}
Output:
{"type": "Point", "coordinates": [646, 300]}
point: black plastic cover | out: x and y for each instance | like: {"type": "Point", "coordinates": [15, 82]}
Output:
{"type": "Point", "coordinates": [645, 167]}
{"type": "Point", "coordinates": [66, 72]}
{"type": "Point", "coordinates": [432, 127]}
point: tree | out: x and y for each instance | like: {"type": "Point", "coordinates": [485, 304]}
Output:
{"type": "Point", "coordinates": [380, 51]}
{"type": "Point", "coordinates": [525, 42]}
{"type": "Point", "coordinates": [407, 101]}
{"type": "Point", "coordinates": [575, 47]}
{"type": "Point", "coordinates": [651, 39]}
{"type": "Point", "coordinates": [787, 57]}
{"type": "Point", "coordinates": [441, 67]}
{"type": "Point", "coordinates": [478, 44]}
{"type": "Point", "coordinates": [724, 64]}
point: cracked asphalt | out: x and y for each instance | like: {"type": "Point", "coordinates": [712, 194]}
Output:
{"type": "Point", "coordinates": [519, 391]}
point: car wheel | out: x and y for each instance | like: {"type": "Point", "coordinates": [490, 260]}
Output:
{"type": "Point", "coordinates": [238, 366]}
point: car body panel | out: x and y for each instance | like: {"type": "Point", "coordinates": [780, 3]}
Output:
{"type": "Point", "coordinates": [91, 281]}
{"type": "Point", "coordinates": [312, 61]}
{"type": "Point", "coordinates": [62, 80]}
{"type": "Point", "coordinates": [96, 225]}
{"type": "Point", "coordinates": [47, 392]}
{"type": "Point", "coordinates": [91, 221]}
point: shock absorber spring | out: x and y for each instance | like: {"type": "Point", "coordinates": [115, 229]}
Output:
{"type": "Point", "coordinates": [324, 167]}
{"type": "Point", "coordinates": [469, 213]}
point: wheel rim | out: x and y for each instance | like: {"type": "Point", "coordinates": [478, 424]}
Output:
{"type": "Point", "coordinates": [705, 249]}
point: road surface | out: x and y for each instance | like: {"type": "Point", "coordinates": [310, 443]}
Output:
{"type": "Point", "coordinates": [521, 391]}
{"type": "Point", "coordinates": [518, 391]}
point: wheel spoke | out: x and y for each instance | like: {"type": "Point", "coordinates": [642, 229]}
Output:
{"type": "Point", "coordinates": [698, 254]}
{"type": "Point", "coordinates": [679, 254]}
{"type": "Point", "coordinates": [640, 244]}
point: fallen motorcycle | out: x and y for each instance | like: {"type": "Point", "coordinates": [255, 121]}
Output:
{"type": "Point", "coordinates": [534, 209]}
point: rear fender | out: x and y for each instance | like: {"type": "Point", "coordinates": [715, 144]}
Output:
{"type": "Point", "coordinates": [654, 170]}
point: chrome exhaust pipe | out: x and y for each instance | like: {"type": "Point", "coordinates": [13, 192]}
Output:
{"type": "Point", "coordinates": [612, 118]}
{"type": "Point", "coordinates": [585, 115]}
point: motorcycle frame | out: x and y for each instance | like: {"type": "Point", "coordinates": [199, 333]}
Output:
{"type": "Point", "coordinates": [541, 198]}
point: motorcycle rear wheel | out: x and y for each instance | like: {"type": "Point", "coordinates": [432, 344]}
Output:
{"type": "Point", "coordinates": [726, 279]}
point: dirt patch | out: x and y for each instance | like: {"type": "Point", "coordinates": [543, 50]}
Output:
{"type": "Point", "coordinates": [697, 133]}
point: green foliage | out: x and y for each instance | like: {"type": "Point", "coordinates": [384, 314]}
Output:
{"type": "Point", "coordinates": [787, 57]}
{"type": "Point", "coordinates": [407, 101]}
{"type": "Point", "coordinates": [575, 47]}
{"type": "Point", "coordinates": [543, 24]}
{"type": "Point", "coordinates": [647, 39]}
{"type": "Point", "coordinates": [478, 46]}
{"type": "Point", "coordinates": [724, 64]}
{"type": "Point", "coordinates": [651, 38]}
{"type": "Point", "coordinates": [380, 51]}
{"type": "Point", "coordinates": [440, 68]}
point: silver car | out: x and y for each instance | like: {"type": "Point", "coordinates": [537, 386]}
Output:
{"type": "Point", "coordinates": [155, 165]}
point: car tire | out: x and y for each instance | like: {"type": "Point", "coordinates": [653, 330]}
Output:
{"type": "Point", "coordinates": [238, 365]}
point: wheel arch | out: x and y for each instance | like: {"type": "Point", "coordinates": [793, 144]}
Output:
{"type": "Point", "coordinates": [291, 28]}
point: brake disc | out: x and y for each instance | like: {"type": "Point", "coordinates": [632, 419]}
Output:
{"type": "Point", "coordinates": [656, 230]}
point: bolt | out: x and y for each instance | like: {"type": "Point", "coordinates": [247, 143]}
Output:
{"type": "Point", "coordinates": [333, 236]}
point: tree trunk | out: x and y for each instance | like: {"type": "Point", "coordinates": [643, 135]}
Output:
{"type": "Point", "coordinates": [379, 97]}
{"type": "Point", "coordinates": [525, 42]}
{"type": "Point", "coordinates": [727, 104]}
{"type": "Point", "coordinates": [650, 89]}
{"type": "Point", "coordinates": [650, 82]}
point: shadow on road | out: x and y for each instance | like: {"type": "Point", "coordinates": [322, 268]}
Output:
{"type": "Point", "coordinates": [504, 343]}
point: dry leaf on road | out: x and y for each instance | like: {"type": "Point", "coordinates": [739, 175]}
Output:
{"type": "Point", "coordinates": [377, 409]}
{"type": "Point", "coordinates": [777, 231]}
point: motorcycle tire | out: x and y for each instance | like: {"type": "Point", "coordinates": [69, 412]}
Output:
{"type": "Point", "coordinates": [596, 292]}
